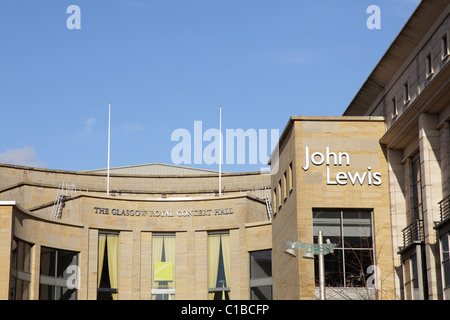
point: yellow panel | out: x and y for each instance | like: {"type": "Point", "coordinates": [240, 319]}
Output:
{"type": "Point", "coordinates": [163, 271]}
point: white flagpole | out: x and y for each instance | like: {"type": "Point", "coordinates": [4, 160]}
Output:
{"type": "Point", "coordinates": [220, 150]}
{"type": "Point", "coordinates": [109, 146]}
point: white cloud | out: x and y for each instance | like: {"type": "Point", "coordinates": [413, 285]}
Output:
{"type": "Point", "coordinates": [87, 128]}
{"type": "Point", "coordinates": [25, 156]}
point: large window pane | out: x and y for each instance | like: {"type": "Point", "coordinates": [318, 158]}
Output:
{"type": "Point", "coordinates": [446, 267]}
{"type": "Point", "coordinates": [357, 229]}
{"type": "Point", "coordinates": [19, 289]}
{"type": "Point", "coordinates": [407, 279]}
{"type": "Point", "coordinates": [261, 293]}
{"type": "Point", "coordinates": [357, 263]}
{"type": "Point", "coordinates": [334, 269]}
{"type": "Point", "coordinates": [261, 275]}
{"type": "Point", "coordinates": [59, 272]}
{"type": "Point", "coordinates": [416, 185]}
{"type": "Point", "coordinates": [21, 255]}
{"type": "Point", "coordinates": [329, 221]}
{"type": "Point", "coordinates": [108, 266]}
{"type": "Point", "coordinates": [415, 277]}
{"type": "Point", "coordinates": [218, 266]}
{"type": "Point", "coordinates": [261, 264]}
{"type": "Point", "coordinates": [48, 261]}
{"type": "Point", "coordinates": [445, 261]}
{"type": "Point", "coordinates": [163, 261]}
{"type": "Point", "coordinates": [411, 278]}
{"type": "Point", "coordinates": [46, 292]}
{"type": "Point", "coordinates": [65, 260]}
{"type": "Point", "coordinates": [351, 230]}
{"type": "Point", "coordinates": [20, 270]}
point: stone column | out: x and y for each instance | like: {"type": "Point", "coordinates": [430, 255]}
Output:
{"type": "Point", "coordinates": [397, 192]}
{"type": "Point", "coordinates": [429, 144]}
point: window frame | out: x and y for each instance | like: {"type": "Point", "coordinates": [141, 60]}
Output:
{"type": "Point", "coordinates": [225, 290]}
{"type": "Point", "coordinates": [429, 70]}
{"type": "Point", "coordinates": [262, 281]}
{"type": "Point", "coordinates": [54, 281]}
{"type": "Point", "coordinates": [416, 187]}
{"type": "Point", "coordinates": [339, 255]}
{"type": "Point", "coordinates": [291, 178]}
{"type": "Point", "coordinates": [406, 95]}
{"type": "Point", "coordinates": [445, 52]}
{"type": "Point", "coordinates": [445, 264]}
{"type": "Point", "coordinates": [20, 269]}
{"type": "Point", "coordinates": [101, 290]}
{"type": "Point", "coordinates": [156, 292]}
{"type": "Point", "coordinates": [394, 107]}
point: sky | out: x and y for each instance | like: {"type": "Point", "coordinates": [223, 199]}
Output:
{"type": "Point", "coordinates": [167, 65]}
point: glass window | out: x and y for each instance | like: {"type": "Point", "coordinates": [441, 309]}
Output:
{"type": "Point", "coordinates": [58, 274]}
{"type": "Point", "coordinates": [351, 230]}
{"type": "Point", "coordinates": [163, 261]}
{"type": "Point", "coordinates": [406, 92]}
{"type": "Point", "coordinates": [394, 107]}
{"type": "Point", "coordinates": [108, 265]}
{"type": "Point", "coordinates": [329, 221]}
{"type": "Point", "coordinates": [416, 186]}
{"type": "Point", "coordinates": [48, 261]}
{"type": "Point", "coordinates": [445, 262]}
{"type": "Point", "coordinates": [429, 65]}
{"type": "Point", "coordinates": [261, 275]}
{"type": "Point", "coordinates": [357, 229]}
{"type": "Point", "coordinates": [48, 292]}
{"type": "Point", "coordinates": [19, 289]}
{"type": "Point", "coordinates": [280, 196]}
{"type": "Point", "coordinates": [21, 255]}
{"type": "Point", "coordinates": [261, 264]}
{"type": "Point", "coordinates": [411, 278]}
{"type": "Point", "coordinates": [20, 270]}
{"type": "Point", "coordinates": [444, 47]}
{"type": "Point", "coordinates": [261, 293]}
{"type": "Point", "coordinates": [291, 177]}
{"type": "Point", "coordinates": [219, 266]}
{"type": "Point", "coordinates": [274, 200]}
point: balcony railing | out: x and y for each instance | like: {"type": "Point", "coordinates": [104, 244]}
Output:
{"type": "Point", "coordinates": [445, 208]}
{"type": "Point", "coordinates": [413, 233]}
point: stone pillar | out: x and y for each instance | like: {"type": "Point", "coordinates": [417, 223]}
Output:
{"type": "Point", "coordinates": [125, 286]}
{"type": "Point", "coordinates": [146, 266]}
{"type": "Point", "coordinates": [136, 265]}
{"type": "Point", "coordinates": [5, 249]}
{"type": "Point", "coordinates": [35, 268]}
{"type": "Point", "coordinates": [429, 144]}
{"type": "Point", "coordinates": [201, 266]}
{"type": "Point", "coordinates": [93, 262]}
{"type": "Point", "coordinates": [397, 191]}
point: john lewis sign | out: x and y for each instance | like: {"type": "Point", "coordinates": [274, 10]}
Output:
{"type": "Point", "coordinates": [340, 159]}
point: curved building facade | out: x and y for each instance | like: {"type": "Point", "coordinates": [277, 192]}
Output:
{"type": "Point", "coordinates": [142, 241]}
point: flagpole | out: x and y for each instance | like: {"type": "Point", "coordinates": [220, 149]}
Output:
{"type": "Point", "coordinates": [220, 150]}
{"type": "Point", "coordinates": [109, 146]}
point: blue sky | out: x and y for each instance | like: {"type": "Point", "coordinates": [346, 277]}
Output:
{"type": "Point", "coordinates": [164, 64]}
